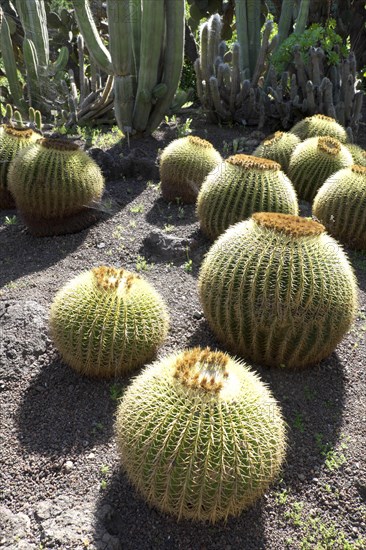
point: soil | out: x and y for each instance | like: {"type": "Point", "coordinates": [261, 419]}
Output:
{"type": "Point", "coordinates": [62, 484]}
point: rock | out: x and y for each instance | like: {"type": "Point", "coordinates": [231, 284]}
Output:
{"type": "Point", "coordinates": [160, 246]}
{"type": "Point", "coordinates": [197, 315]}
{"type": "Point", "coordinates": [27, 319]}
{"type": "Point", "coordinates": [69, 465]}
{"type": "Point", "coordinates": [14, 529]}
{"type": "Point", "coordinates": [301, 477]}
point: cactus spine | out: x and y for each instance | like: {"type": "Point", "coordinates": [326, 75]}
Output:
{"type": "Point", "coordinates": [56, 187]}
{"type": "Point", "coordinates": [278, 290]}
{"type": "Point", "coordinates": [313, 161]}
{"type": "Point", "coordinates": [200, 436]}
{"type": "Point", "coordinates": [278, 147]}
{"type": "Point", "coordinates": [107, 321]}
{"type": "Point", "coordinates": [147, 40]}
{"type": "Point", "coordinates": [243, 184]}
{"type": "Point", "coordinates": [319, 125]}
{"type": "Point", "coordinates": [340, 205]}
{"type": "Point", "coordinates": [12, 140]}
{"type": "Point", "coordinates": [184, 164]}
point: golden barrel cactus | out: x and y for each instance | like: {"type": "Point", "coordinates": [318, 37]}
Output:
{"type": "Point", "coordinates": [244, 184]}
{"type": "Point", "coordinates": [11, 141]}
{"type": "Point", "coordinates": [278, 147]}
{"type": "Point", "coordinates": [107, 322]}
{"type": "Point", "coordinates": [56, 187]}
{"type": "Point", "coordinates": [199, 435]}
{"type": "Point", "coordinates": [278, 290]}
{"type": "Point", "coordinates": [319, 125]}
{"type": "Point", "coordinates": [313, 161]}
{"type": "Point", "coordinates": [340, 205]}
{"type": "Point", "coordinates": [184, 164]}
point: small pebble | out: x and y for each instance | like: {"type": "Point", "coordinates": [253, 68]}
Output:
{"type": "Point", "coordinates": [101, 245]}
{"type": "Point", "coordinates": [69, 465]}
{"type": "Point", "coordinates": [301, 477]}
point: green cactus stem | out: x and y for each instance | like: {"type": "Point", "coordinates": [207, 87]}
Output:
{"type": "Point", "coordinates": [12, 140]}
{"type": "Point", "coordinates": [340, 205]}
{"type": "Point", "coordinates": [56, 187]}
{"type": "Point", "coordinates": [278, 147]}
{"type": "Point", "coordinates": [319, 125]}
{"type": "Point", "coordinates": [200, 436]}
{"type": "Point", "coordinates": [107, 322]}
{"type": "Point", "coordinates": [313, 161]}
{"type": "Point", "coordinates": [184, 164]}
{"type": "Point", "coordinates": [278, 290]}
{"type": "Point", "coordinates": [243, 184]}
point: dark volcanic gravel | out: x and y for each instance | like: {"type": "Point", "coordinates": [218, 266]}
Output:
{"type": "Point", "coordinates": [60, 478]}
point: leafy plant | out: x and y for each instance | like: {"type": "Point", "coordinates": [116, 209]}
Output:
{"type": "Point", "coordinates": [315, 36]}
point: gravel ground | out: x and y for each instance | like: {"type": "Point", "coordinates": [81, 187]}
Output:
{"type": "Point", "coordinates": [62, 485]}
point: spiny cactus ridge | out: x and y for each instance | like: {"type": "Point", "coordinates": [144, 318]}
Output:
{"type": "Point", "coordinates": [11, 141]}
{"type": "Point", "coordinates": [340, 205]}
{"type": "Point", "coordinates": [200, 436]}
{"type": "Point", "coordinates": [108, 321]}
{"type": "Point", "coordinates": [184, 164]}
{"type": "Point", "coordinates": [358, 154]}
{"type": "Point", "coordinates": [319, 125]}
{"type": "Point", "coordinates": [278, 147]}
{"type": "Point", "coordinates": [278, 290]}
{"type": "Point", "coordinates": [56, 187]}
{"type": "Point", "coordinates": [313, 161]}
{"type": "Point", "coordinates": [243, 185]}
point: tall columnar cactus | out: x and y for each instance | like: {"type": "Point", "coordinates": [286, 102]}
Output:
{"type": "Point", "coordinates": [200, 436]}
{"type": "Point", "coordinates": [319, 125]}
{"type": "Point", "coordinates": [40, 72]}
{"type": "Point", "coordinates": [358, 154]}
{"type": "Point", "coordinates": [278, 147]}
{"type": "Point", "coordinates": [243, 184]}
{"type": "Point", "coordinates": [313, 161]}
{"type": "Point", "coordinates": [56, 187]}
{"type": "Point", "coordinates": [108, 321]}
{"type": "Point", "coordinates": [278, 290]}
{"type": "Point", "coordinates": [184, 164]}
{"type": "Point", "coordinates": [340, 205]}
{"type": "Point", "coordinates": [146, 41]}
{"type": "Point", "coordinates": [11, 141]}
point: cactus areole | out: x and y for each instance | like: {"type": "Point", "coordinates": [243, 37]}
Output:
{"type": "Point", "coordinates": [278, 290]}
{"type": "Point", "coordinates": [200, 436]}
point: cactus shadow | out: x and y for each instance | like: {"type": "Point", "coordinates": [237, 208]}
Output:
{"type": "Point", "coordinates": [63, 412]}
{"type": "Point", "coordinates": [22, 254]}
{"type": "Point", "coordinates": [124, 520]}
{"type": "Point", "coordinates": [312, 402]}
{"type": "Point", "coordinates": [165, 213]}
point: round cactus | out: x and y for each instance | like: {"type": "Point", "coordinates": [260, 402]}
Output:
{"type": "Point", "coordinates": [11, 141]}
{"type": "Point", "coordinates": [278, 290]}
{"type": "Point", "coordinates": [56, 186]}
{"type": "Point", "coordinates": [107, 321]}
{"type": "Point", "coordinates": [340, 205]}
{"type": "Point", "coordinates": [278, 147]}
{"type": "Point", "coordinates": [184, 164]}
{"type": "Point", "coordinates": [244, 184]}
{"type": "Point", "coordinates": [200, 436]}
{"type": "Point", "coordinates": [313, 161]}
{"type": "Point", "coordinates": [319, 125]}
{"type": "Point", "coordinates": [358, 154]}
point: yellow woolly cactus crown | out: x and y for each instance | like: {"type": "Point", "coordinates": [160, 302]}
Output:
{"type": "Point", "coordinates": [254, 163]}
{"type": "Point", "coordinates": [295, 226]}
